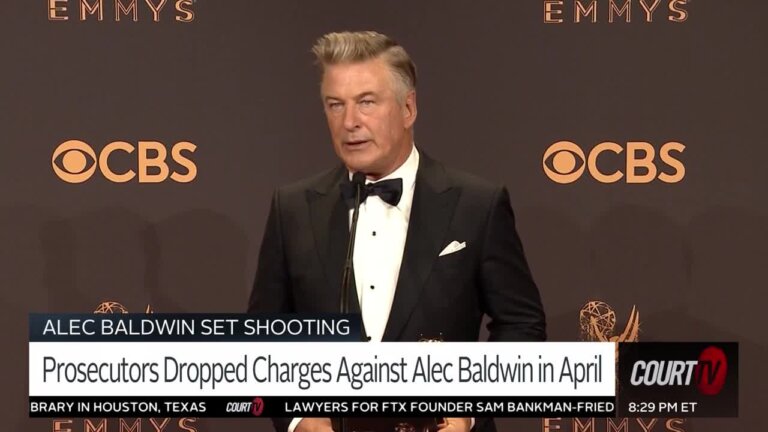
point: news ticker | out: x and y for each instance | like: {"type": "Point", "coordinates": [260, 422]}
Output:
{"type": "Point", "coordinates": [282, 406]}
{"type": "Point", "coordinates": [163, 364]}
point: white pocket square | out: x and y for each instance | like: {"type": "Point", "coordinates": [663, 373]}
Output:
{"type": "Point", "coordinates": [453, 247]}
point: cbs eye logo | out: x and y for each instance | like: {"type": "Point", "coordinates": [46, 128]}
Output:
{"type": "Point", "coordinates": [75, 161]}
{"type": "Point", "coordinates": [565, 162]}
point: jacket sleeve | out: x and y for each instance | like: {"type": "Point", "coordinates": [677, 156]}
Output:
{"type": "Point", "coordinates": [510, 296]}
{"type": "Point", "coordinates": [271, 288]}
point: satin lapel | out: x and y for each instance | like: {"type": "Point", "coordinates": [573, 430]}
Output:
{"type": "Point", "coordinates": [434, 202]}
{"type": "Point", "coordinates": [330, 226]}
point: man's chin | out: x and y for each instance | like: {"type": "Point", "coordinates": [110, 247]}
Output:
{"type": "Point", "coordinates": [363, 164]}
{"type": "Point", "coordinates": [363, 169]}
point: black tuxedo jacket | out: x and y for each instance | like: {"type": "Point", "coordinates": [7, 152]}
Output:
{"type": "Point", "coordinates": [302, 257]}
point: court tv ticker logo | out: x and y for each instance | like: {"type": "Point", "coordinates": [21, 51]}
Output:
{"type": "Point", "coordinates": [597, 323]}
{"type": "Point", "coordinates": [75, 161]}
{"type": "Point", "coordinates": [185, 424]}
{"type": "Point", "coordinates": [615, 11]}
{"type": "Point", "coordinates": [636, 162]}
{"type": "Point", "coordinates": [120, 10]}
{"type": "Point", "coordinates": [255, 407]}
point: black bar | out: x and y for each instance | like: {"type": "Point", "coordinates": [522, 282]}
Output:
{"type": "Point", "coordinates": [679, 379]}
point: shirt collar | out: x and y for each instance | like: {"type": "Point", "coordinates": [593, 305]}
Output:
{"type": "Point", "coordinates": [407, 172]}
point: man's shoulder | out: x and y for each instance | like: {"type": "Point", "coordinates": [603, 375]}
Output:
{"type": "Point", "coordinates": [321, 182]}
{"type": "Point", "coordinates": [468, 180]}
{"type": "Point", "coordinates": [469, 183]}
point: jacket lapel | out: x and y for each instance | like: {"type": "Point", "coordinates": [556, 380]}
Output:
{"type": "Point", "coordinates": [434, 201]}
{"type": "Point", "coordinates": [330, 226]}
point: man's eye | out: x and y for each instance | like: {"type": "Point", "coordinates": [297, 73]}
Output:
{"type": "Point", "coordinates": [335, 106]}
{"type": "Point", "coordinates": [367, 102]}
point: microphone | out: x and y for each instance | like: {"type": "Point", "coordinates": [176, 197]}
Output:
{"type": "Point", "coordinates": [358, 182]}
{"type": "Point", "coordinates": [358, 179]}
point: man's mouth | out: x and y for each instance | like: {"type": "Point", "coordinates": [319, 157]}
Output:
{"type": "Point", "coordinates": [356, 143]}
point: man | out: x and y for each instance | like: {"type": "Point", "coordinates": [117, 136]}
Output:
{"type": "Point", "coordinates": [435, 249]}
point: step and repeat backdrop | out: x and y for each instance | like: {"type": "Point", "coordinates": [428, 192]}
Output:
{"type": "Point", "coordinates": [142, 140]}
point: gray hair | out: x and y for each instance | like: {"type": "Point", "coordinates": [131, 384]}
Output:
{"type": "Point", "coordinates": [350, 47]}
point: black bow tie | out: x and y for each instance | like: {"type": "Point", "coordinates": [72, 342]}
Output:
{"type": "Point", "coordinates": [388, 190]}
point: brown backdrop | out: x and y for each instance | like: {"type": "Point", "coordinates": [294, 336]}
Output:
{"type": "Point", "coordinates": [497, 87]}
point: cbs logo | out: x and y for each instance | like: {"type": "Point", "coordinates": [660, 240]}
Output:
{"type": "Point", "coordinates": [564, 162]}
{"type": "Point", "coordinates": [75, 161]}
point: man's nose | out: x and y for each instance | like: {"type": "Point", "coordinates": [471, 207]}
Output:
{"type": "Point", "coordinates": [351, 118]}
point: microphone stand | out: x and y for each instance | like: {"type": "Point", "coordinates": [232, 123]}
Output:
{"type": "Point", "coordinates": [358, 180]}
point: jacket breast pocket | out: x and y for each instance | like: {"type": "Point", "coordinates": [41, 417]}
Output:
{"type": "Point", "coordinates": [457, 264]}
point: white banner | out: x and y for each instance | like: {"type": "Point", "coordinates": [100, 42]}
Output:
{"type": "Point", "coordinates": [321, 369]}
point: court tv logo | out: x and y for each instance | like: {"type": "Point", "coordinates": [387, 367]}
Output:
{"type": "Point", "coordinates": [708, 372]}
{"type": "Point", "coordinates": [700, 379]}
{"type": "Point", "coordinates": [636, 162]}
{"type": "Point", "coordinates": [255, 407]}
{"type": "Point", "coordinates": [75, 161]}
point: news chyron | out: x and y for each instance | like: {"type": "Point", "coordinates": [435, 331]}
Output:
{"type": "Point", "coordinates": [278, 365]}
{"type": "Point", "coordinates": [679, 379]}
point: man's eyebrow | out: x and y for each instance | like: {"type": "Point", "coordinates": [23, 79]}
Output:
{"type": "Point", "coordinates": [359, 96]}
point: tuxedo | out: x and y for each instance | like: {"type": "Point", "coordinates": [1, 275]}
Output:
{"type": "Point", "coordinates": [462, 258]}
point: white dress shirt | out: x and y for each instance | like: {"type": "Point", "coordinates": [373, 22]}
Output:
{"type": "Point", "coordinates": [379, 245]}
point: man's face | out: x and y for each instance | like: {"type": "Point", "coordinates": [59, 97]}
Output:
{"type": "Point", "coordinates": [370, 127]}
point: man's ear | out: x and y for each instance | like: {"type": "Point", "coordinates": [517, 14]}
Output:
{"type": "Point", "coordinates": [409, 109]}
